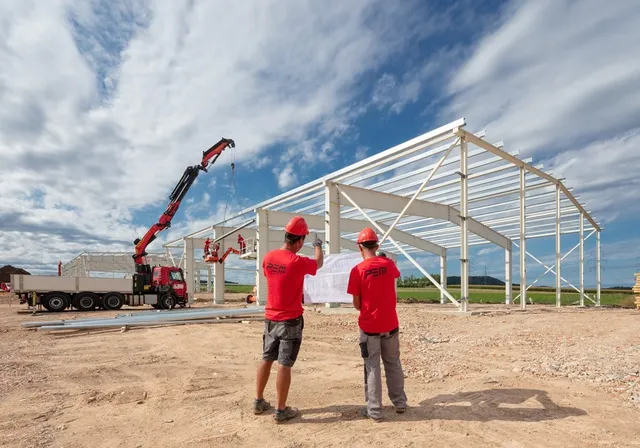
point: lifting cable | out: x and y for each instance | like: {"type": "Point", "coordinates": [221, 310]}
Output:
{"type": "Point", "coordinates": [232, 185]}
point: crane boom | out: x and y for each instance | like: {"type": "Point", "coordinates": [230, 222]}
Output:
{"type": "Point", "coordinates": [209, 157]}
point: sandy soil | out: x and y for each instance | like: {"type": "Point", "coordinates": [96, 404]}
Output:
{"type": "Point", "coordinates": [507, 379]}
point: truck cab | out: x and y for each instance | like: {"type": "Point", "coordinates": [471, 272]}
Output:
{"type": "Point", "coordinates": [170, 278]}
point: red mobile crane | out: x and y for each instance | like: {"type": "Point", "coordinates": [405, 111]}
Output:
{"type": "Point", "coordinates": [162, 287]}
{"type": "Point", "coordinates": [164, 280]}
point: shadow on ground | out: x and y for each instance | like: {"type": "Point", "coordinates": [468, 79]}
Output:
{"type": "Point", "coordinates": [522, 405]}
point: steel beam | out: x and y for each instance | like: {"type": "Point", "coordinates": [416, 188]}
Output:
{"type": "Point", "coordinates": [523, 237]}
{"type": "Point", "coordinates": [558, 259]}
{"type": "Point", "coordinates": [489, 147]}
{"type": "Point", "coordinates": [385, 201]}
{"type": "Point", "coordinates": [464, 221]}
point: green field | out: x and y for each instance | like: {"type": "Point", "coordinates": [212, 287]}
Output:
{"type": "Point", "coordinates": [482, 294]}
{"type": "Point", "coordinates": [244, 289]}
{"type": "Point", "coordinates": [477, 295]}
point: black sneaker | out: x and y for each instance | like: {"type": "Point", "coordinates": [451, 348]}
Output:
{"type": "Point", "coordinates": [283, 415]}
{"type": "Point", "coordinates": [259, 406]}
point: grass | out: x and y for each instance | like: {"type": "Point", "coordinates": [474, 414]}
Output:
{"type": "Point", "coordinates": [480, 294]}
{"type": "Point", "coordinates": [244, 289]}
{"type": "Point", "coordinates": [489, 296]}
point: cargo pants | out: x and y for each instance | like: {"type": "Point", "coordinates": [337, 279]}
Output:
{"type": "Point", "coordinates": [385, 346]}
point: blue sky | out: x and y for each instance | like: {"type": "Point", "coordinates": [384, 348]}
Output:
{"type": "Point", "coordinates": [103, 105]}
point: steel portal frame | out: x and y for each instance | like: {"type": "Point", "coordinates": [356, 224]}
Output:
{"type": "Point", "coordinates": [445, 189]}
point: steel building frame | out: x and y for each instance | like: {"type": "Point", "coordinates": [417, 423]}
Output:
{"type": "Point", "coordinates": [447, 188]}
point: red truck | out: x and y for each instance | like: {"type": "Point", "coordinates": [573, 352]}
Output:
{"type": "Point", "coordinates": [162, 287]}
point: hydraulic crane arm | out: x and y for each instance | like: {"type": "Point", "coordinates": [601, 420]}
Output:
{"type": "Point", "coordinates": [209, 157]}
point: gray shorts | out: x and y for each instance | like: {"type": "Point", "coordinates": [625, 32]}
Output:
{"type": "Point", "coordinates": [281, 340]}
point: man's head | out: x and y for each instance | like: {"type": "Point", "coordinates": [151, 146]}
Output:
{"type": "Point", "coordinates": [367, 242]}
{"type": "Point", "coordinates": [295, 233]}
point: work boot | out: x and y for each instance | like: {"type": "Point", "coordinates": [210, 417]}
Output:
{"type": "Point", "coordinates": [284, 415]}
{"type": "Point", "coordinates": [259, 406]}
{"type": "Point", "coordinates": [364, 412]}
{"type": "Point", "coordinates": [401, 409]}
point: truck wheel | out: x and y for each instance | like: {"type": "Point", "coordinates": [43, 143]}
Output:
{"type": "Point", "coordinates": [85, 301]}
{"type": "Point", "coordinates": [167, 301]}
{"type": "Point", "coordinates": [113, 301]}
{"type": "Point", "coordinates": [56, 301]}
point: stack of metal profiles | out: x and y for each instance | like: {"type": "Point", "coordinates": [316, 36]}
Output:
{"type": "Point", "coordinates": [149, 318]}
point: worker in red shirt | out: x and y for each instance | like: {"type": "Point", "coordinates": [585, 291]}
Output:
{"type": "Point", "coordinates": [372, 285]}
{"type": "Point", "coordinates": [285, 271]}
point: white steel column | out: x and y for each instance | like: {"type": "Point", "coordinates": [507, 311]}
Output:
{"type": "Point", "coordinates": [443, 277]}
{"type": "Point", "coordinates": [598, 279]}
{"type": "Point", "coordinates": [508, 280]}
{"type": "Point", "coordinates": [262, 238]}
{"type": "Point", "coordinates": [218, 283]}
{"type": "Point", "coordinates": [190, 268]}
{"type": "Point", "coordinates": [332, 218]}
{"type": "Point", "coordinates": [581, 259]}
{"type": "Point", "coordinates": [558, 253]}
{"type": "Point", "coordinates": [332, 224]}
{"type": "Point", "coordinates": [218, 269]}
{"type": "Point", "coordinates": [464, 231]}
{"type": "Point", "coordinates": [523, 236]}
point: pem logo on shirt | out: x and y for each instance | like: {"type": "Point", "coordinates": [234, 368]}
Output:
{"type": "Point", "coordinates": [375, 272]}
{"type": "Point", "coordinates": [276, 268]}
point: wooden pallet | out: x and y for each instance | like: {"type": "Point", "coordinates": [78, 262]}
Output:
{"type": "Point", "coordinates": [636, 290]}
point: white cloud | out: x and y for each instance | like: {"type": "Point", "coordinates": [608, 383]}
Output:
{"type": "Point", "coordinates": [101, 108]}
{"type": "Point", "coordinates": [361, 153]}
{"type": "Point", "coordinates": [286, 177]}
{"type": "Point", "coordinates": [558, 77]}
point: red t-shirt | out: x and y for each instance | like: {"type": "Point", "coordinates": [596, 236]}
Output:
{"type": "Point", "coordinates": [285, 273]}
{"type": "Point", "coordinates": [373, 280]}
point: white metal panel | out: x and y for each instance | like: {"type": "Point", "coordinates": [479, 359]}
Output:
{"type": "Point", "coordinates": [42, 283]}
{"type": "Point", "coordinates": [97, 284]}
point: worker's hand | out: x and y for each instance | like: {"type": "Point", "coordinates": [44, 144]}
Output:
{"type": "Point", "coordinates": [317, 242]}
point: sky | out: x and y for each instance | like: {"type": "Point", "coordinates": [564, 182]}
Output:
{"type": "Point", "coordinates": [104, 104]}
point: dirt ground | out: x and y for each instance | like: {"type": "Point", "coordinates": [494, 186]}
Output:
{"type": "Point", "coordinates": [544, 377]}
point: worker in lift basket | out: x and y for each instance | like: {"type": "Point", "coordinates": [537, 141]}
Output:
{"type": "Point", "coordinates": [285, 271]}
{"type": "Point", "coordinates": [372, 285]}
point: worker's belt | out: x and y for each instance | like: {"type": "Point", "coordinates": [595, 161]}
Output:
{"type": "Point", "coordinates": [387, 333]}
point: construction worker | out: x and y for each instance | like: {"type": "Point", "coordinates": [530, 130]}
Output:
{"type": "Point", "coordinates": [285, 271]}
{"type": "Point", "coordinates": [207, 243]}
{"type": "Point", "coordinates": [242, 244]}
{"type": "Point", "coordinates": [372, 285]}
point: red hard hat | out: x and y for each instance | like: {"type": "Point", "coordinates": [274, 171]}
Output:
{"type": "Point", "coordinates": [297, 226]}
{"type": "Point", "coordinates": [367, 234]}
